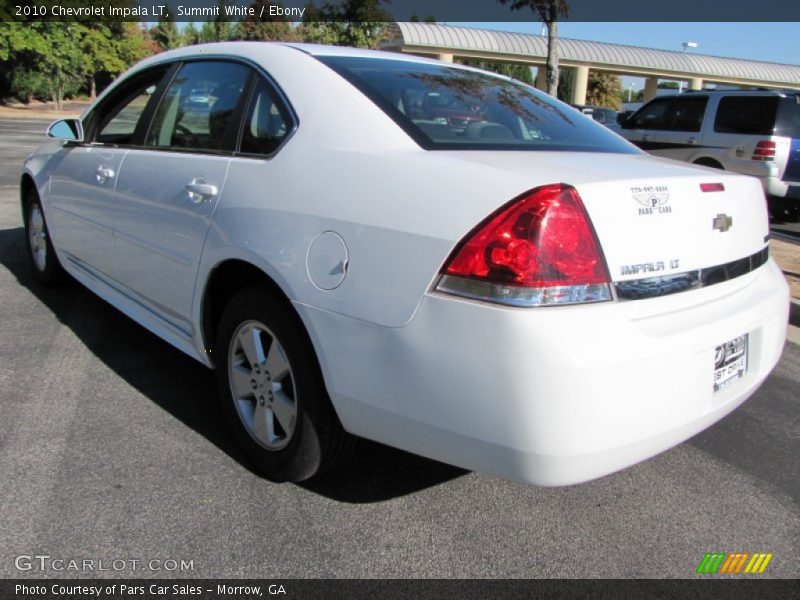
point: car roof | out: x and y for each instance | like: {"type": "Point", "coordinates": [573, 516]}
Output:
{"type": "Point", "coordinates": [759, 92]}
{"type": "Point", "coordinates": [251, 49]}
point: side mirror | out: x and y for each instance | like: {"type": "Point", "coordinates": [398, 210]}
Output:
{"type": "Point", "coordinates": [69, 130]}
{"type": "Point", "coordinates": [627, 122]}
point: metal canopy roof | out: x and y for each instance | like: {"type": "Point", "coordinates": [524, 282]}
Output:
{"type": "Point", "coordinates": [422, 37]}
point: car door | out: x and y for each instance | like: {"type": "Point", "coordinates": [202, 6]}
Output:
{"type": "Point", "coordinates": [681, 135]}
{"type": "Point", "coordinates": [645, 125]}
{"type": "Point", "coordinates": [168, 189]}
{"type": "Point", "coordinates": [81, 206]}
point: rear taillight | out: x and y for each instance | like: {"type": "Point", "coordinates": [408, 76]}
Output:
{"type": "Point", "coordinates": [540, 249]}
{"type": "Point", "coordinates": [764, 150]}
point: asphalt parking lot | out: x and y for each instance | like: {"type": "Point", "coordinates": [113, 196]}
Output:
{"type": "Point", "coordinates": [112, 446]}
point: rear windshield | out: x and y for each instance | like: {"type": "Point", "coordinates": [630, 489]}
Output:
{"type": "Point", "coordinates": [448, 108]}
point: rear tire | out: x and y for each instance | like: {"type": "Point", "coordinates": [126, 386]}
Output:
{"type": "Point", "coordinates": [47, 269]}
{"type": "Point", "coordinates": [272, 390]}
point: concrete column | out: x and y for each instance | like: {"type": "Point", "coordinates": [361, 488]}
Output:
{"type": "Point", "coordinates": [446, 57]}
{"type": "Point", "coordinates": [541, 78]}
{"type": "Point", "coordinates": [650, 89]}
{"type": "Point", "coordinates": [696, 83]}
{"type": "Point", "coordinates": [581, 83]}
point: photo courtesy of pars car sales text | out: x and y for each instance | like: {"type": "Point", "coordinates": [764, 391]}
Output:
{"type": "Point", "coordinates": [152, 590]}
{"type": "Point", "coordinates": [365, 299]}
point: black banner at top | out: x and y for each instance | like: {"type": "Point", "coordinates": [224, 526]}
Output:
{"type": "Point", "coordinates": [396, 10]}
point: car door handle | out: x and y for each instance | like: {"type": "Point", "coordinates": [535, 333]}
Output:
{"type": "Point", "coordinates": [645, 137]}
{"type": "Point", "coordinates": [102, 174]}
{"type": "Point", "coordinates": [692, 140]}
{"type": "Point", "coordinates": [200, 191]}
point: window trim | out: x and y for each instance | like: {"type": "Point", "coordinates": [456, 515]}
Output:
{"type": "Point", "coordinates": [94, 122]}
{"type": "Point", "coordinates": [281, 99]}
{"type": "Point", "coordinates": [774, 97]}
{"type": "Point", "coordinates": [402, 120]}
{"type": "Point", "coordinates": [229, 137]}
{"type": "Point", "coordinates": [688, 98]}
{"type": "Point", "coordinates": [170, 70]}
{"type": "Point", "coordinates": [632, 118]}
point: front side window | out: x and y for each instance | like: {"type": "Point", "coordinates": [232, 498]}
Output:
{"type": "Point", "coordinates": [197, 108]}
{"type": "Point", "coordinates": [686, 113]}
{"type": "Point", "coordinates": [267, 122]}
{"type": "Point", "coordinates": [444, 107]}
{"type": "Point", "coordinates": [119, 115]}
{"type": "Point", "coordinates": [651, 116]}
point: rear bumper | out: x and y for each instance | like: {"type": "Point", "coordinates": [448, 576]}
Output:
{"type": "Point", "coordinates": [549, 396]}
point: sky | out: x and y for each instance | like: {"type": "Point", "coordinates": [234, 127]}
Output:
{"type": "Point", "coordinates": [772, 42]}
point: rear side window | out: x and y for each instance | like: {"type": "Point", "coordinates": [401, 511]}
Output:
{"type": "Point", "coordinates": [449, 108]}
{"type": "Point", "coordinates": [197, 108]}
{"type": "Point", "coordinates": [267, 123]}
{"type": "Point", "coordinates": [753, 115]}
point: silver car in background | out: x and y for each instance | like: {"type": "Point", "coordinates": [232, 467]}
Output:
{"type": "Point", "coordinates": [749, 132]}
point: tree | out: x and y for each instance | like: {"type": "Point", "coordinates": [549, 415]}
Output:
{"type": "Point", "coordinates": [218, 30]}
{"type": "Point", "coordinates": [99, 53]}
{"type": "Point", "coordinates": [47, 48]}
{"type": "Point", "coordinates": [166, 33]}
{"type": "Point", "coordinates": [566, 83]}
{"type": "Point", "coordinates": [604, 90]}
{"type": "Point", "coordinates": [277, 29]}
{"type": "Point", "coordinates": [356, 23]}
{"type": "Point", "coordinates": [191, 35]}
{"type": "Point", "coordinates": [549, 11]}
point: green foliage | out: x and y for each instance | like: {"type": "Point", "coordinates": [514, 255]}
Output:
{"type": "Point", "coordinates": [566, 83]}
{"type": "Point", "coordinates": [276, 29]}
{"type": "Point", "coordinates": [166, 34]}
{"type": "Point", "coordinates": [191, 35]}
{"type": "Point", "coordinates": [356, 23]}
{"type": "Point", "coordinates": [28, 85]}
{"type": "Point", "coordinates": [604, 90]}
{"type": "Point", "coordinates": [48, 58]}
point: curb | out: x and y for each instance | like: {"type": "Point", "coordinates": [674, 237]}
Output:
{"type": "Point", "coordinates": [794, 313]}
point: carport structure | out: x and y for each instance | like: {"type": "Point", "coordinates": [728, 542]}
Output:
{"type": "Point", "coordinates": [448, 43]}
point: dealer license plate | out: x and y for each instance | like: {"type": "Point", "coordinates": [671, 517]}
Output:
{"type": "Point", "coordinates": [730, 362]}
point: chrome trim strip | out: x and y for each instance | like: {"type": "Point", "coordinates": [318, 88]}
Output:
{"type": "Point", "coordinates": [511, 295]}
{"type": "Point", "coordinates": [653, 287]}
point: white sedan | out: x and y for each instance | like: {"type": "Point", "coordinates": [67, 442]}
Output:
{"type": "Point", "coordinates": [427, 255]}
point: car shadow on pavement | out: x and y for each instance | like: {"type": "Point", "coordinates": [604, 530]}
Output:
{"type": "Point", "coordinates": [375, 472]}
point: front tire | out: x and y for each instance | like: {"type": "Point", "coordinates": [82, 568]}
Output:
{"type": "Point", "coordinates": [47, 269]}
{"type": "Point", "coordinates": [272, 390]}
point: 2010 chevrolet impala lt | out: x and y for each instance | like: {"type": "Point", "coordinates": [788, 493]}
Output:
{"type": "Point", "coordinates": [427, 255]}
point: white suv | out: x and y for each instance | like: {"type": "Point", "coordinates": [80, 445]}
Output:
{"type": "Point", "coordinates": [750, 132]}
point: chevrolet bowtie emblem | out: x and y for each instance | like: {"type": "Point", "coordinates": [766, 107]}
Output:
{"type": "Point", "coordinates": [723, 222]}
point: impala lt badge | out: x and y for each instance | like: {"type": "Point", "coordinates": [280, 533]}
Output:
{"type": "Point", "coordinates": [723, 222]}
